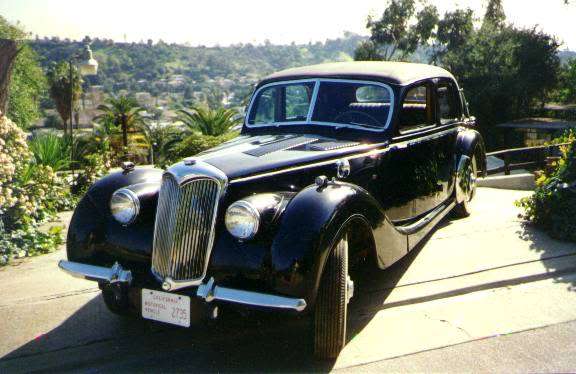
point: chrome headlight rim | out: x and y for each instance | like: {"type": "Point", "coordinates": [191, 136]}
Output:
{"type": "Point", "coordinates": [252, 211]}
{"type": "Point", "coordinates": [126, 192]}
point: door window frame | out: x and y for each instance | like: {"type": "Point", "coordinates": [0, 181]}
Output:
{"type": "Point", "coordinates": [431, 93]}
{"type": "Point", "coordinates": [457, 97]}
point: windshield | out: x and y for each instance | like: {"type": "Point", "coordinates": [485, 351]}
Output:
{"type": "Point", "coordinates": [354, 103]}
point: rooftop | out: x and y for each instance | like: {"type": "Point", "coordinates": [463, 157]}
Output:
{"type": "Point", "coordinates": [387, 71]}
{"type": "Point", "coordinates": [538, 123]}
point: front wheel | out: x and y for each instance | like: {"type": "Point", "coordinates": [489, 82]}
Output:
{"type": "Point", "coordinates": [335, 290]}
{"type": "Point", "coordinates": [116, 301]}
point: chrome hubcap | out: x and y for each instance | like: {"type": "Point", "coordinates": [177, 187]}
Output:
{"type": "Point", "coordinates": [349, 288]}
{"type": "Point", "coordinates": [470, 183]}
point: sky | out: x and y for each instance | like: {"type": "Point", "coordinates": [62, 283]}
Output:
{"type": "Point", "coordinates": [224, 22]}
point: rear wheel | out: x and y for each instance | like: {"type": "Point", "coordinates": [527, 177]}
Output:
{"type": "Point", "coordinates": [335, 290]}
{"type": "Point", "coordinates": [467, 184]}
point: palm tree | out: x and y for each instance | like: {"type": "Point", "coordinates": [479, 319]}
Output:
{"type": "Point", "coordinates": [212, 122]}
{"type": "Point", "coordinates": [59, 82]}
{"type": "Point", "coordinates": [123, 112]}
{"type": "Point", "coordinates": [161, 139]}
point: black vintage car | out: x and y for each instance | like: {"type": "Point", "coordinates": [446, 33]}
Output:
{"type": "Point", "coordinates": [337, 166]}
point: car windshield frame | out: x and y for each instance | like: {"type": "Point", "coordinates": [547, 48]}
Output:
{"type": "Point", "coordinates": [313, 101]}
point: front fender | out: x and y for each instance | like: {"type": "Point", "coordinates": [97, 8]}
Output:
{"type": "Point", "coordinates": [95, 237]}
{"type": "Point", "coordinates": [307, 231]}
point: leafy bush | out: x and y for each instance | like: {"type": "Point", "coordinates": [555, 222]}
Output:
{"type": "Point", "coordinates": [28, 241]}
{"type": "Point", "coordinates": [51, 150]}
{"type": "Point", "coordinates": [194, 144]}
{"type": "Point", "coordinates": [552, 207]}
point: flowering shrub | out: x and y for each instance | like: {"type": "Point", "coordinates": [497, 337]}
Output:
{"type": "Point", "coordinates": [552, 207]}
{"type": "Point", "coordinates": [14, 156]}
{"type": "Point", "coordinates": [29, 194]}
{"type": "Point", "coordinates": [95, 165]}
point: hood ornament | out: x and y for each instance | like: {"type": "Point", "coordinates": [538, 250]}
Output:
{"type": "Point", "coordinates": [189, 161]}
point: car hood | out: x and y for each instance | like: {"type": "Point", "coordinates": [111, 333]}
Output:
{"type": "Point", "coordinates": [249, 155]}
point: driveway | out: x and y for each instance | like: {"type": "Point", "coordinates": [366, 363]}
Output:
{"type": "Point", "coordinates": [474, 286]}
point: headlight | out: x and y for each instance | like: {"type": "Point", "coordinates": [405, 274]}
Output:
{"type": "Point", "coordinates": [242, 220]}
{"type": "Point", "coordinates": [124, 206]}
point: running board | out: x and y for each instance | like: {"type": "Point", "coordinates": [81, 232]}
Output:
{"type": "Point", "coordinates": [416, 226]}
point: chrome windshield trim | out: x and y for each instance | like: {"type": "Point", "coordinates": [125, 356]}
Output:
{"type": "Point", "coordinates": [313, 100]}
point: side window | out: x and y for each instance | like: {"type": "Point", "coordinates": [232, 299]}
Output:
{"type": "Point", "coordinates": [416, 111]}
{"type": "Point", "coordinates": [448, 103]}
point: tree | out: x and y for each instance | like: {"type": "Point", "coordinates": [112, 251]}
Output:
{"type": "Point", "coordinates": [505, 72]}
{"type": "Point", "coordinates": [399, 31]}
{"type": "Point", "coordinates": [22, 81]}
{"type": "Point", "coordinates": [161, 140]}
{"type": "Point", "coordinates": [61, 88]}
{"type": "Point", "coordinates": [123, 112]}
{"type": "Point", "coordinates": [212, 122]}
{"type": "Point", "coordinates": [454, 30]}
{"type": "Point", "coordinates": [9, 50]}
{"type": "Point", "coordinates": [494, 15]}
{"type": "Point", "coordinates": [567, 82]}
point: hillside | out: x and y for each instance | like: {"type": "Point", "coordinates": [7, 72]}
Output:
{"type": "Point", "coordinates": [192, 73]}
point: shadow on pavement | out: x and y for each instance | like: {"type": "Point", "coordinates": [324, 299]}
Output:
{"type": "Point", "coordinates": [94, 338]}
{"type": "Point", "coordinates": [552, 252]}
{"type": "Point", "coordinates": [255, 341]}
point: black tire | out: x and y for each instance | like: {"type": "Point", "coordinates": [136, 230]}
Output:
{"type": "Point", "coordinates": [331, 304]}
{"type": "Point", "coordinates": [117, 305]}
{"type": "Point", "coordinates": [464, 209]}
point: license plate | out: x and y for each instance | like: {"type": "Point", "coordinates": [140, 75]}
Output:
{"type": "Point", "coordinates": [166, 307]}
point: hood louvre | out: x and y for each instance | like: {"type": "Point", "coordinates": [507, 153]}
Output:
{"type": "Point", "coordinates": [281, 145]}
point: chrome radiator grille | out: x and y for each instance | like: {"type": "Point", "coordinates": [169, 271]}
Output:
{"type": "Point", "coordinates": [184, 228]}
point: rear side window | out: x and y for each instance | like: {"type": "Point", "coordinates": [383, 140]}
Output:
{"type": "Point", "coordinates": [416, 110]}
{"type": "Point", "coordinates": [448, 103]}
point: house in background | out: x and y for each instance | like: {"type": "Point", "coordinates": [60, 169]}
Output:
{"type": "Point", "coordinates": [530, 132]}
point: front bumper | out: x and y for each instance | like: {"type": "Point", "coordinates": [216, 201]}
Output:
{"type": "Point", "coordinates": [207, 291]}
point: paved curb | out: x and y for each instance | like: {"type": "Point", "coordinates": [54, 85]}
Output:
{"type": "Point", "coordinates": [524, 182]}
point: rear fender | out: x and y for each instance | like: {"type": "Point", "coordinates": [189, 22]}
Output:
{"type": "Point", "coordinates": [470, 143]}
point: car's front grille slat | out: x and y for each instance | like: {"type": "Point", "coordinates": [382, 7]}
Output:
{"type": "Point", "coordinates": [184, 229]}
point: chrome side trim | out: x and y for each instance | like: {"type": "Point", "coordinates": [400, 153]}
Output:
{"type": "Point", "coordinates": [210, 292]}
{"type": "Point", "coordinates": [371, 150]}
{"type": "Point", "coordinates": [114, 274]}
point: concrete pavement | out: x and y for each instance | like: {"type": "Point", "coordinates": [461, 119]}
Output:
{"type": "Point", "coordinates": [472, 281]}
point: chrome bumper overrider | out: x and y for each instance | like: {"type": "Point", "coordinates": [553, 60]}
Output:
{"type": "Point", "coordinates": [207, 291]}
{"type": "Point", "coordinates": [115, 274]}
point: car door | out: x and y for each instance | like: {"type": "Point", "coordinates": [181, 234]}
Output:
{"type": "Point", "coordinates": [449, 117]}
{"type": "Point", "coordinates": [408, 173]}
